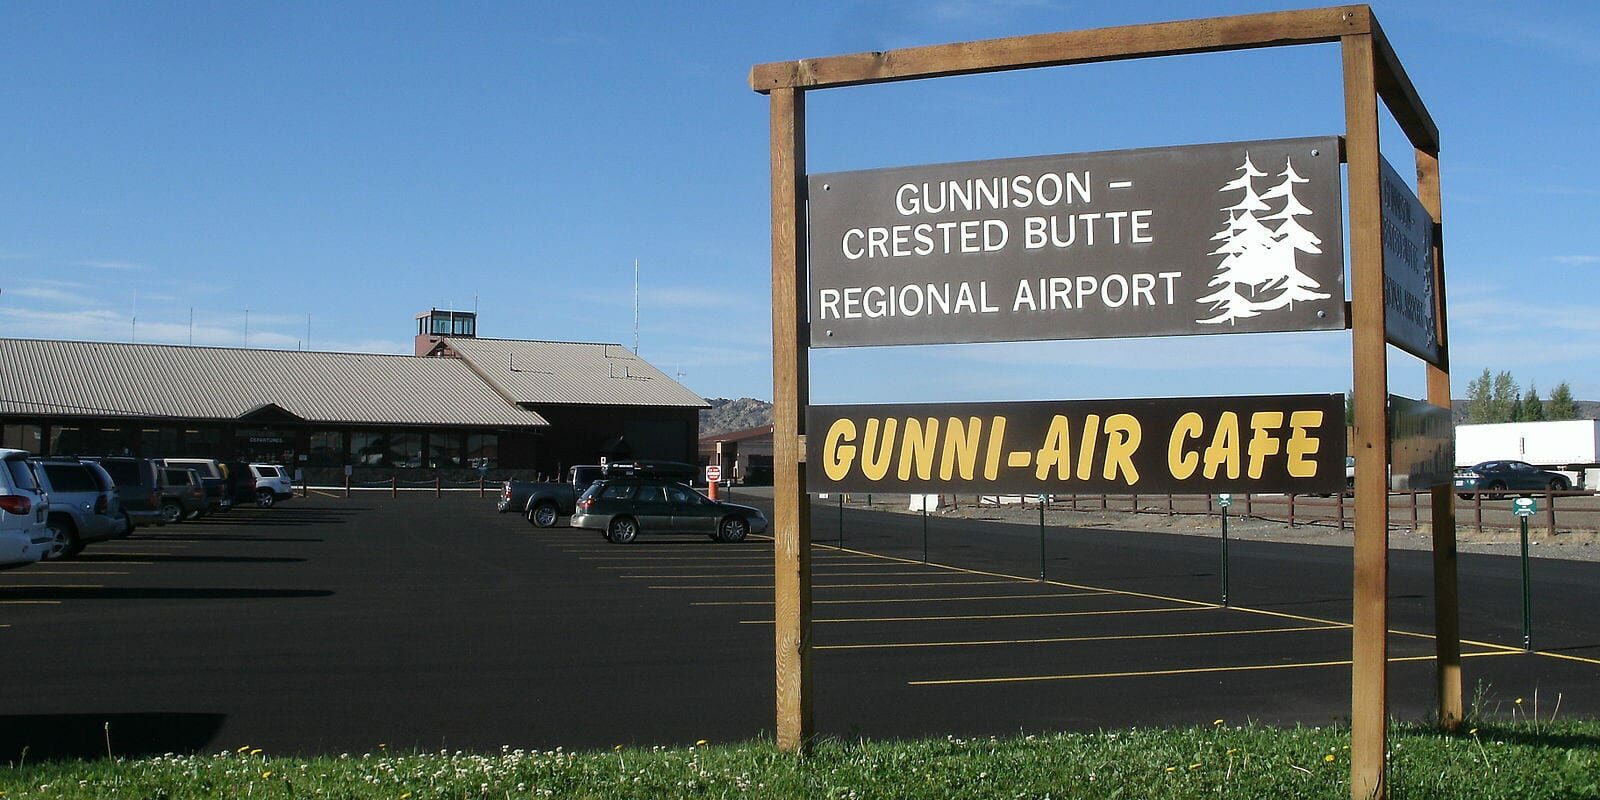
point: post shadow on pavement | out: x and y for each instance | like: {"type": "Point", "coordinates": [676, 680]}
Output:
{"type": "Point", "coordinates": [220, 538]}
{"type": "Point", "coordinates": [28, 738]}
{"type": "Point", "coordinates": [88, 557]}
{"type": "Point", "coordinates": [153, 593]}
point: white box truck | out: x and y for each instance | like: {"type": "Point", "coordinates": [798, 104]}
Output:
{"type": "Point", "coordinates": [1571, 447]}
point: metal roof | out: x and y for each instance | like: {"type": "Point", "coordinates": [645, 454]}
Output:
{"type": "Point", "coordinates": [62, 378]}
{"type": "Point", "coordinates": [586, 373]}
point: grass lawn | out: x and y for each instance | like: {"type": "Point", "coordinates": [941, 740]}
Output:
{"type": "Point", "coordinates": [1519, 760]}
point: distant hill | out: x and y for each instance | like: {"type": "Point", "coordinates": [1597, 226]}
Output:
{"type": "Point", "coordinates": [726, 415]}
{"type": "Point", "coordinates": [1587, 409]}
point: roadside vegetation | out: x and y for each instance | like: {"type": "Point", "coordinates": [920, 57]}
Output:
{"type": "Point", "coordinates": [1521, 759]}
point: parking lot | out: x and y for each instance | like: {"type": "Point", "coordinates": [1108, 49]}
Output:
{"type": "Point", "coordinates": [329, 625]}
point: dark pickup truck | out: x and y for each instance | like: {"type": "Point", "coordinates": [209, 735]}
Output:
{"type": "Point", "coordinates": [544, 503]}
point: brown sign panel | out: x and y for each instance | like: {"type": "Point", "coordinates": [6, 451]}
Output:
{"type": "Point", "coordinates": [1422, 444]}
{"type": "Point", "coordinates": [1192, 445]}
{"type": "Point", "coordinates": [1218, 238]}
{"type": "Point", "coordinates": [1409, 320]}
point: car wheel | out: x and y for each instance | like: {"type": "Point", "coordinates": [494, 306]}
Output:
{"type": "Point", "coordinates": [1464, 496]}
{"type": "Point", "coordinates": [63, 540]}
{"type": "Point", "coordinates": [171, 513]}
{"type": "Point", "coordinates": [1499, 488]}
{"type": "Point", "coordinates": [265, 498]}
{"type": "Point", "coordinates": [622, 530]}
{"type": "Point", "coordinates": [733, 529]}
{"type": "Point", "coordinates": [544, 515]}
{"type": "Point", "coordinates": [1558, 485]}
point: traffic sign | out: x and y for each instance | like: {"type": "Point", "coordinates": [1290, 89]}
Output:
{"type": "Point", "coordinates": [1224, 500]}
{"type": "Point", "coordinates": [1524, 506]}
{"type": "Point", "coordinates": [713, 473]}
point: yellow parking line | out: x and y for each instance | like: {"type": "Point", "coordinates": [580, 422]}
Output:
{"type": "Point", "coordinates": [769, 574]}
{"type": "Point", "coordinates": [740, 565]}
{"type": "Point", "coordinates": [1073, 639]}
{"type": "Point", "coordinates": [841, 585]}
{"type": "Point", "coordinates": [939, 617]}
{"type": "Point", "coordinates": [1567, 657]}
{"type": "Point", "coordinates": [909, 599]}
{"type": "Point", "coordinates": [1188, 671]}
{"type": "Point", "coordinates": [326, 494]}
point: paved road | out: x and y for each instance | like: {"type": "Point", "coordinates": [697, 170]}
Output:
{"type": "Point", "coordinates": [328, 625]}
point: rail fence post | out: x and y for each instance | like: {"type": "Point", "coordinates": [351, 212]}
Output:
{"type": "Point", "coordinates": [1477, 508]}
{"type": "Point", "coordinates": [1170, 510]}
{"type": "Point", "coordinates": [347, 487]}
{"type": "Point", "coordinates": [1550, 511]}
{"type": "Point", "coordinates": [394, 485]}
{"type": "Point", "coordinates": [1249, 508]}
{"type": "Point", "coordinates": [480, 486]}
{"type": "Point", "coordinates": [438, 486]}
{"type": "Point", "coordinates": [1291, 509]}
{"type": "Point", "coordinates": [1414, 522]}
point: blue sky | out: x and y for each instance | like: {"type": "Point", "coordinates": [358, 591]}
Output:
{"type": "Point", "coordinates": [359, 163]}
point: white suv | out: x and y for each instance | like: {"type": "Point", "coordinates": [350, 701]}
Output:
{"type": "Point", "coordinates": [273, 483]}
{"type": "Point", "coordinates": [24, 509]}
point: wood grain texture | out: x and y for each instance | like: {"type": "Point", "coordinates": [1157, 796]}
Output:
{"type": "Point", "coordinates": [1446, 594]}
{"type": "Point", "coordinates": [1401, 97]}
{"type": "Point", "coordinates": [791, 518]}
{"type": "Point", "coordinates": [1070, 47]}
{"type": "Point", "coordinates": [1369, 639]}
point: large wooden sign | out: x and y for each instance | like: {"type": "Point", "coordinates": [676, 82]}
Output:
{"type": "Point", "coordinates": [1217, 238]}
{"type": "Point", "coordinates": [1191, 445]}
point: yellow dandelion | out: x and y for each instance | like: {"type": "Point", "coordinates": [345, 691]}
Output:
{"type": "Point", "coordinates": [242, 749]}
{"type": "Point", "coordinates": [404, 796]}
{"type": "Point", "coordinates": [1519, 701]}
{"type": "Point", "coordinates": [1232, 750]}
{"type": "Point", "coordinates": [1328, 758]}
{"type": "Point", "coordinates": [1194, 766]}
{"type": "Point", "coordinates": [267, 774]}
{"type": "Point", "coordinates": [1172, 769]}
{"type": "Point", "coordinates": [700, 743]}
{"type": "Point", "coordinates": [256, 752]}
{"type": "Point", "coordinates": [1216, 722]}
{"type": "Point", "coordinates": [618, 748]}
{"type": "Point", "coordinates": [1473, 732]}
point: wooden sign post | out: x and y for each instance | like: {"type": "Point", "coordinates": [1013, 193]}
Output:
{"type": "Point", "coordinates": [1371, 70]}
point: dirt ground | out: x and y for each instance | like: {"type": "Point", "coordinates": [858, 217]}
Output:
{"type": "Point", "coordinates": [1569, 544]}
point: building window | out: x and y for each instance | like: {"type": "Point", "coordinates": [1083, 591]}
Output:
{"type": "Point", "coordinates": [23, 437]}
{"type": "Point", "coordinates": [483, 450]}
{"type": "Point", "coordinates": [405, 450]}
{"type": "Point", "coordinates": [444, 450]}
{"type": "Point", "coordinates": [441, 325]}
{"type": "Point", "coordinates": [66, 440]}
{"type": "Point", "coordinates": [158, 442]}
{"type": "Point", "coordinates": [201, 443]}
{"type": "Point", "coordinates": [368, 448]}
{"type": "Point", "coordinates": [327, 449]}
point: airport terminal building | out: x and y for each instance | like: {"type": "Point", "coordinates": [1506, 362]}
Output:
{"type": "Point", "coordinates": [459, 406]}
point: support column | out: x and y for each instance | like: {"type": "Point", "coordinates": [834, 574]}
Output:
{"type": "Point", "coordinates": [1446, 608]}
{"type": "Point", "coordinates": [791, 392]}
{"type": "Point", "coordinates": [1370, 613]}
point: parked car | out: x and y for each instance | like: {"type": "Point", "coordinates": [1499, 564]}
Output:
{"type": "Point", "coordinates": [1499, 476]}
{"type": "Point", "coordinates": [138, 487]}
{"type": "Point", "coordinates": [622, 508]}
{"type": "Point", "coordinates": [183, 495]}
{"type": "Point", "coordinates": [213, 475]}
{"type": "Point", "coordinates": [544, 503]}
{"type": "Point", "coordinates": [272, 484]}
{"type": "Point", "coordinates": [24, 530]}
{"type": "Point", "coordinates": [84, 506]}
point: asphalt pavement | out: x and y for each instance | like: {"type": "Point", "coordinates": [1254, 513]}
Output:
{"type": "Point", "coordinates": [329, 625]}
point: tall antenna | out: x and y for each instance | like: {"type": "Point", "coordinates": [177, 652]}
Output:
{"type": "Point", "coordinates": [308, 331]}
{"type": "Point", "coordinates": [636, 306]}
{"type": "Point", "coordinates": [133, 333]}
{"type": "Point", "coordinates": [247, 327]}
{"type": "Point", "coordinates": [191, 326]}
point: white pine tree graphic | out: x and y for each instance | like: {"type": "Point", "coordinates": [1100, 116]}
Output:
{"type": "Point", "coordinates": [1256, 257]}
